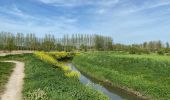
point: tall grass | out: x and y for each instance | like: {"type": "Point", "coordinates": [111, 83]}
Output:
{"type": "Point", "coordinates": [5, 72]}
{"type": "Point", "coordinates": [148, 75]}
{"type": "Point", "coordinates": [46, 57]}
{"type": "Point", "coordinates": [43, 81]}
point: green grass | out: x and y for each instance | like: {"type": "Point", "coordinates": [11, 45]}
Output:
{"type": "Point", "coordinates": [5, 72]}
{"type": "Point", "coordinates": [44, 82]}
{"type": "Point", "coordinates": [147, 74]}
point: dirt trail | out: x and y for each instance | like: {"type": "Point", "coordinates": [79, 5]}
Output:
{"type": "Point", "coordinates": [14, 86]}
{"type": "Point", "coordinates": [4, 53]}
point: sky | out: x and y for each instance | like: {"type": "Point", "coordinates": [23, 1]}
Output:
{"type": "Point", "coordinates": [127, 21]}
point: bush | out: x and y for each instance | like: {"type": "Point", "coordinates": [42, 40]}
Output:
{"type": "Point", "coordinates": [73, 74]}
{"type": "Point", "coordinates": [59, 55]}
{"type": "Point", "coordinates": [66, 68]}
{"type": "Point", "coordinates": [168, 54]}
{"type": "Point", "coordinates": [161, 52]}
{"type": "Point", "coordinates": [134, 50]}
{"type": "Point", "coordinates": [63, 55]}
{"type": "Point", "coordinates": [46, 57]}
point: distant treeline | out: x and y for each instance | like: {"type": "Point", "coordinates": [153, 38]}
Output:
{"type": "Point", "coordinates": [81, 42]}
{"type": "Point", "coordinates": [20, 41]}
{"type": "Point", "coordinates": [144, 48]}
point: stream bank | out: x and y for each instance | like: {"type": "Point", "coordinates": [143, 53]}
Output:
{"type": "Point", "coordinates": [114, 93]}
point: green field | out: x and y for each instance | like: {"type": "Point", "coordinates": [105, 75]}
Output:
{"type": "Point", "coordinates": [44, 82]}
{"type": "Point", "coordinates": [5, 72]}
{"type": "Point", "coordinates": [147, 74]}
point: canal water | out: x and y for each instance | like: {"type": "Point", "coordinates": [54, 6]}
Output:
{"type": "Point", "coordinates": [112, 93]}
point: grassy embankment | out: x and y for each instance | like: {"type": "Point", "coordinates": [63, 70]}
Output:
{"type": "Point", "coordinates": [5, 72]}
{"type": "Point", "coordinates": [147, 74]}
{"type": "Point", "coordinates": [43, 81]}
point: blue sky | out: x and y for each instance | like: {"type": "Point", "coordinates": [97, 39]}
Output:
{"type": "Point", "coordinates": [127, 21]}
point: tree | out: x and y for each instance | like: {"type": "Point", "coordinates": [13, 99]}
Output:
{"type": "Point", "coordinates": [145, 45]}
{"type": "Point", "coordinates": [48, 43]}
{"type": "Point", "coordinates": [158, 45]}
{"type": "Point", "coordinates": [59, 47]}
{"type": "Point", "coordinates": [167, 45]}
{"type": "Point", "coordinates": [10, 43]}
{"type": "Point", "coordinates": [99, 42]}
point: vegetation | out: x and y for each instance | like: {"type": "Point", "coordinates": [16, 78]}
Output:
{"type": "Point", "coordinates": [147, 74]}
{"type": "Point", "coordinates": [5, 72]}
{"type": "Point", "coordinates": [43, 81]}
{"type": "Point", "coordinates": [142, 67]}
{"type": "Point", "coordinates": [144, 48]}
{"type": "Point", "coordinates": [80, 42]}
{"type": "Point", "coordinates": [9, 41]}
{"type": "Point", "coordinates": [49, 59]}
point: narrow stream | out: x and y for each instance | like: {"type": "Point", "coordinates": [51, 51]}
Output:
{"type": "Point", "coordinates": [112, 93]}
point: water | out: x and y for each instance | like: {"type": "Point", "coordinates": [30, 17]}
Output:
{"type": "Point", "coordinates": [112, 93]}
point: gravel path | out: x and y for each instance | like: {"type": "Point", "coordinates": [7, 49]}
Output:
{"type": "Point", "coordinates": [14, 86]}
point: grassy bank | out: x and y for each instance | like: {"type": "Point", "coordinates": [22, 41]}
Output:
{"type": "Point", "coordinates": [43, 81]}
{"type": "Point", "coordinates": [5, 72]}
{"type": "Point", "coordinates": [147, 74]}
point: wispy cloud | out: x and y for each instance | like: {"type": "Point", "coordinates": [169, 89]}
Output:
{"type": "Point", "coordinates": [124, 20]}
{"type": "Point", "coordinates": [15, 11]}
{"type": "Point", "coordinates": [75, 3]}
{"type": "Point", "coordinates": [132, 8]}
{"type": "Point", "coordinates": [37, 24]}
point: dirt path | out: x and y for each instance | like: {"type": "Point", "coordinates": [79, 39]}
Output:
{"type": "Point", "coordinates": [14, 86]}
{"type": "Point", "coordinates": [15, 52]}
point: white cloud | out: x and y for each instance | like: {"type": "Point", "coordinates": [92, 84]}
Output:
{"type": "Point", "coordinates": [147, 5]}
{"type": "Point", "coordinates": [38, 24]}
{"type": "Point", "coordinates": [14, 10]}
{"type": "Point", "coordinates": [58, 26]}
{"type": "Point", "coordinates": [75, 3]}
{"type": "Point", "coordinates": [102, 16]}
{"type": "Point", "coordinates": [101, 11]}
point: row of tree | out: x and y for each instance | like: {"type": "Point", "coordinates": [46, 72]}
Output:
{"type": "Point", "coordinates": [83, 42]}
{"type": "Point", "coordinates": [146, 47]}
{"type": "Point", "coordinates": [9, 41]}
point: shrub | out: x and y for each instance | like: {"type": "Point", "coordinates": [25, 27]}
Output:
{"type": "Point", "coordinates": [160, 52]}
{"type": "Point", "coordinates": [73, 74]}
{"type": "Point", "coordinates": [134, 50]}
{"type": "Point", "coordinates": [66, 68]}
{"type": "Point", "coordinates": [59, 55]}
{"type": "Point", "coordinates": [46, 57]}
{"type": "Point", "coordinates": [168, 54]}
{"type": "Point", "coordinates": [63, 54]}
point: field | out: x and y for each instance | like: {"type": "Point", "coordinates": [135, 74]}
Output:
{"type": "Point", "coordinates": [5, 71]}
{"type": "Point", "coordinates": [84, 49]}
{"type": "Point", "coordinates": [146, 74]}
{"type": "Point", "coordinates": [44, 81]}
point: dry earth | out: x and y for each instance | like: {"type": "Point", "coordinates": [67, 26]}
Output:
{"type": "Point", "coordinates": [4, 53]}
{"type": "Point", "coordinates": [14, 86]}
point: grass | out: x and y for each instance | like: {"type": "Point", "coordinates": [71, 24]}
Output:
{"type": "Point", "coordinates": [45, 82]}
{"type": "Point", "coordinates": [46, 57]}
{"type": "Point", "coordinates": [5, 72]}
{"type": "Point", "coordinates": [147, 74]}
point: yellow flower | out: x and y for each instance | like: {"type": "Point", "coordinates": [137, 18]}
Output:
{"type": "Point", "coordinates": [73, 74]}
{"type": "Point", "coordinates": [66, 68]}
{"type": "Point", "coordinates": [47, 58]}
